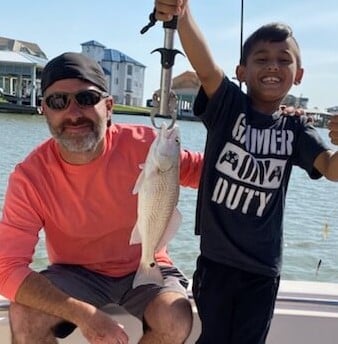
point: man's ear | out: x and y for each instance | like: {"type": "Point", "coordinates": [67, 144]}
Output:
{"type": "Point", "coordinates": [240, 73]}
{"type": "Point", "coordinates": [43, 107]}
{"type": "Point", "coordinates": [299, 76]}
{"type": "Point", "coordinates": [110, 104]}
{"type": "Point", "coordinates": [109, 107]}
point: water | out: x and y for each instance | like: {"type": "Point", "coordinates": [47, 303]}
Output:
{"type": "Point", "coordinates": [310, 204]}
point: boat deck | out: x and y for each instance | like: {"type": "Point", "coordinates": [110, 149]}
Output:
{"type": "Point", "coordinates": [306, 312]}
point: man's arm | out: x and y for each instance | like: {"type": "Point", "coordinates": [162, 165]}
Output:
{"type": "Point", "coordinates": [190, 168]}
{"type": "Point", "coordinates": [333, 129]}
{"type": "Point", "coordinates": [327, 162]}
{"type": "Point", "coordinates": [193, 43]}
{"type": "Point", "coordinates": [39, 293]}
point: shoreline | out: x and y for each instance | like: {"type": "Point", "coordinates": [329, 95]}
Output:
{"type": "Point", "coordinates": [19, 109]}
{"type": "Point", "coordinates": [10, 108]}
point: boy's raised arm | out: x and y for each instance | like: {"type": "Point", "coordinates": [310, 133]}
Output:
{"type": "Point", "coordinates": [193, 43]}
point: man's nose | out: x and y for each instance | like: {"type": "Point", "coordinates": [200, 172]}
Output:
{"type": "Point", "coordinates": [74, 108]}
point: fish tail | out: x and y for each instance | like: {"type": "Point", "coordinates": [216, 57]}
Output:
{"type": "Point", "coordinates": [148, 274]}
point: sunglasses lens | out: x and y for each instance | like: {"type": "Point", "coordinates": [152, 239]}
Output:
{"type": "Point", "coordinates": [57, 101]}
{"type": "Point", "coordinates": [88, 98]}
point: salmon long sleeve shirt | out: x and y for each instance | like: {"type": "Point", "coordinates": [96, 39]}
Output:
{"type": "Point", "coordinates": [87, 211]}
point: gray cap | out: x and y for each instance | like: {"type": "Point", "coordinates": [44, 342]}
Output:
{"type": "Point", "coordinates": [73, 65]}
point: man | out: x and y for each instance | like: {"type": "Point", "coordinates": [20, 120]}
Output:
{"type": "Point", "coordinates": [77, 186]}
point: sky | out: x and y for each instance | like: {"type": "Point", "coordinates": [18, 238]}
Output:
{"type": "Point", "coordinates": [62, 25]}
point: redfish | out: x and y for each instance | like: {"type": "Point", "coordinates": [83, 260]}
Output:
{"type": "Point", "coordinates": [157, 215]}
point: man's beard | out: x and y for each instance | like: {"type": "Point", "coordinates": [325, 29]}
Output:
{"type": "Point", "coordinates": [78, 143]}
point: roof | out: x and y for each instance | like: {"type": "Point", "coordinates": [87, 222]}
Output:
{"type": "Point", "coordinates": [21, 46]}
{"type": "Point", "coordinates": [317, 111]}
{"type": "Point", "coordinates": [187, 79]}
{"type": "Point", "coordinates": [333, 109]}
{"type": "Point", "coordinates": [114, 55]}
{"type": "Point", "coordinates": [93, 43]}
{"type": "Point", "coordinates": [22, 58]}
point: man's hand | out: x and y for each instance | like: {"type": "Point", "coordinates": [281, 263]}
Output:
{"type": "Point", "coordinates": [333, 129]}
{"type": "Point", "coordinates": [100, 328]}
{"type": "Point", "coordinates": [292, 111]}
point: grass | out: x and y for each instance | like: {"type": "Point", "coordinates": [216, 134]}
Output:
{"type": "Point", "coordinates": [118, 108]}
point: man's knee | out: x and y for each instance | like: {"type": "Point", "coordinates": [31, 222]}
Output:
{"type": "Point", "coordinates": [171, 315]}
{"type": "Point", "coordinates": [180, 318]}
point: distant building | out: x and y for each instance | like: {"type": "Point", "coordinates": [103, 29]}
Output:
{"type": "Point", "coordinates": [297, 102]}
{"type": "Point", "coordinates": [333, 109]}
{"type": "Point", "coordinates": [125, 75]}
{"type": "Point", "coordinates": [185, 86]}
{"type": "Point", "coordinates": [21, 64]}
{"type": "Point", "coordinates": [21, 47]}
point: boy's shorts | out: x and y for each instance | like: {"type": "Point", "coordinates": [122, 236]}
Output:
{"type": "Point", "coordinates": [235, 306]}
{"type": "Point", "coordinates": [101, 290]}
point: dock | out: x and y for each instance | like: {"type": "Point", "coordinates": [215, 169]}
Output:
{"type": "Point", "coordinates": [19, 109]}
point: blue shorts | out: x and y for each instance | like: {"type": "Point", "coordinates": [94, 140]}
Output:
{"type": "Point", "coordinates": [235, 306]}
{"type": "Point", "coordinates": [101, 290]}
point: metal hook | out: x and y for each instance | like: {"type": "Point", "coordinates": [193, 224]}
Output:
{"type": "Point", "coordinates": [165, 104]}
{"type": "Point", "coordinates": [171, 109]}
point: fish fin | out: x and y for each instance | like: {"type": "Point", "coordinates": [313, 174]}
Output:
{"type": "Point", "coordinates": [172, 228]}
{"type": "Point", "coordinates": [147, 274]}
{"type": "Point", "coordinates": [135, 237]}
{"type": "Point", "coordinates": [138, 183]}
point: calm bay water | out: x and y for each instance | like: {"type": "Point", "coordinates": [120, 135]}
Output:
{"type": "Point", "coordinates": [311, 205]}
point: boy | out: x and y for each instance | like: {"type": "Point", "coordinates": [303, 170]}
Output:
{"type": "Point", "coordinates": [249, 154]}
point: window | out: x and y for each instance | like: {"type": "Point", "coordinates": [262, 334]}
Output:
{"type": "Point", "coordinates": [129, 88]}
{"type": "Point", "coordinates": [130, 70]}
{"type": "Point", "coordinates": [128, 99]}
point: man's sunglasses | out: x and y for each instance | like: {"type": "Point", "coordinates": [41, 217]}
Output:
{"type": "Point", "coordinates": [60, 100]}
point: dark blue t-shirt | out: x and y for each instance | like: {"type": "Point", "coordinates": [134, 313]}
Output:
{"type": "Point", "coordinates": [247, 166]}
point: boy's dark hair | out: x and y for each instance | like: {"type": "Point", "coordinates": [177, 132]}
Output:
{"type": "Point", "coordinates": [273, 32]}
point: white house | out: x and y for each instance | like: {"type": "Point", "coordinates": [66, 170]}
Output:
{"type": "Point", "coordinates": [21, 64]}
{"type": "Point", "coordinates": [125, 76]}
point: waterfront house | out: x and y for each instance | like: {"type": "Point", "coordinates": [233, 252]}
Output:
{"type": "Point", "coordinates": [125, 76]}
{"type": "Point", "coordinates": [333, 110]}
{"type": "Point", "coordinates": [21, 64]}
{"type": "Point", "coordinates": [185, 86]}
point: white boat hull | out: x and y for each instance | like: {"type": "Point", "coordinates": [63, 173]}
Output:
{"type": "Point", "coordinates": [305, 313]}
